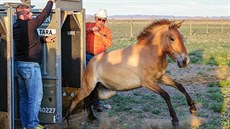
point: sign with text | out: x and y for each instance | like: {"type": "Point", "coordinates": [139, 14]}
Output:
{"type": "Point", "coordinates": [46, 32]}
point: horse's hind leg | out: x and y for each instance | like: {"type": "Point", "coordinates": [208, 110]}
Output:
{"type": "Point", "coordinates": [157, 89]}
{"type": "Point", "coordinates": [88, 102]}
{"type": "Point", "coordinates": [83, 93]}
{"type": "Point", "coordinates": [169, 81]}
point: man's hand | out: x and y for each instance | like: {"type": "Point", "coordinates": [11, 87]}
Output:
{"type": "Point", "coordinates": [52, 1]}
{"type": "Point", "coordinates": [99, 34]}
{"type": "Point", "coordinates": [50, 39]}
{"type": "Point", "coordinates": [94, 29]}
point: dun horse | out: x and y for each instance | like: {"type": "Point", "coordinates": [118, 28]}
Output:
{"type": "Point", "coordinates": [141, 65]}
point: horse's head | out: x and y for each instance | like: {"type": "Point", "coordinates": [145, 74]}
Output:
{"type": "Point", "coordinates": [174, 45]}
{"type": "Point", "coordinates": [165, 35]}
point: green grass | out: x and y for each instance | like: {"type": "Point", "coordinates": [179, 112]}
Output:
{"type": "Point", "coordinates": [224, 83]}
{"type": "Point", "coordinates": [209, 49]}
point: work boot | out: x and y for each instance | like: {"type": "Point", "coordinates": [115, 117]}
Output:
{"type": "Point", "coordinates": [40, 127]}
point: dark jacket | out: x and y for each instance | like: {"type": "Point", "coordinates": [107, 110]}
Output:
{"type": "Point", "coordinates": [27, 43]}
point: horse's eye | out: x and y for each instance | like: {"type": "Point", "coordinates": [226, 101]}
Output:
{"type": "Point", "coordinates": [171, 39]}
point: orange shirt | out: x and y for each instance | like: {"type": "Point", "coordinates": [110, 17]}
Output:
{"type": "Point", "coordinates": [96, 44]}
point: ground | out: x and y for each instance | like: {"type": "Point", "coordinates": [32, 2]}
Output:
{"type": "Point", "coordinates": [196, 80]}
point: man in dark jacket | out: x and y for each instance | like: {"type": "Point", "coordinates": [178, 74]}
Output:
{"type": "Point", "coordinates": [28, 57]}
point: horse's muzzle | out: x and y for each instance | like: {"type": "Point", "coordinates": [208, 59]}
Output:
{"type": "Point", "coordinates": [182, 61]}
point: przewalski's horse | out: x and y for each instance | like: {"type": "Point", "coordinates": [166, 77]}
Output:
{"type": "Point", "coordinates": [141, 65]}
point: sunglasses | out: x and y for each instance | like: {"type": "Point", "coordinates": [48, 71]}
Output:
{"type": "Point", "coordinates": [99, 19]}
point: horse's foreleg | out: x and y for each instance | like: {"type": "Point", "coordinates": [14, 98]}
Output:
{"type": "Point", "coordinates": [169, 81]}
{"type": "Point", "coordinates": [157, 89]}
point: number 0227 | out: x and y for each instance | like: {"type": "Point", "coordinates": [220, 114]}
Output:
{"type": "Point", "coordinates": [47, 110]}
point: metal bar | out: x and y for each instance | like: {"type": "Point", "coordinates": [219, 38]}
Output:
{"type": "Point", "coordinates": [83, 44]}
{"type": "Point", "coordinates": [12, 20]}
{"type": "Point", "coordinates": [58, 68]}
{"type": "Point", "coordinates": [44, 71]}
{"type": "Point", "coordinates": [10, 67]}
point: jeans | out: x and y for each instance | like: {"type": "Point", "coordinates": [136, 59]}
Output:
{"type": "Point", "coordinates": [88, 57]}
{"type": "Point", "coordinates": [29, 79]}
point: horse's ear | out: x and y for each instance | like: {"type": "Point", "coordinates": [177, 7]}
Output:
{"type": "Point", "coordinates": [179, 23]}
{"type": "Point", "coordinates": [173, 24]}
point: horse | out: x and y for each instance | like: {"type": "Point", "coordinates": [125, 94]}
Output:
{"type": "Point", "coordinates": [142, 64]}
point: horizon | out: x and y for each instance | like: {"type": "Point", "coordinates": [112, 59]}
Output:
{"type": "Point", "coordinates": [146, 15]}
{"type": "Point", "coordinates": [190, 8]}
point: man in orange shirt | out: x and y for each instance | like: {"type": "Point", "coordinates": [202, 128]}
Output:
{"type": "Point", "coordinates": [98, 39]}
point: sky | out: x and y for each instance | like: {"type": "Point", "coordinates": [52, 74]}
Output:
{"type": "Point", "coordinates": [152, 7]}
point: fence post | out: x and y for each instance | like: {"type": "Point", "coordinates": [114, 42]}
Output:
{"type": "Point", "coordinates": [190, 26]}
{"type": "Point", "coordinates": [131, 27]}
{"type": "Point", "coordinates": [207, 24]}
{"type": "Point", "coordinates": [222, 24]}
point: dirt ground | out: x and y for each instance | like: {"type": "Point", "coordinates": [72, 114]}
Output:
{"type": "Point", "coordinates": [195, 78]}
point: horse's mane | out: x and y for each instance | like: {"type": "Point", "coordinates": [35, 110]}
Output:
{"type": "Point", "coordinates": [147, 30]}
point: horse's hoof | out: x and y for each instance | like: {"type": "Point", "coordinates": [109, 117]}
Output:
{"type": "Point", "coordinates": [175, 124]}
{"type": "Point", "coordinates": [92, 117]}
{"type": "Point", "coordinates": [67, 119]}
{"type": "Point", "coordinates": [91, 114]}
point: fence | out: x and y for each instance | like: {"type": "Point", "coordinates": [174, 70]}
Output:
{"type": "Point", "coordinates": [129, 28]}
